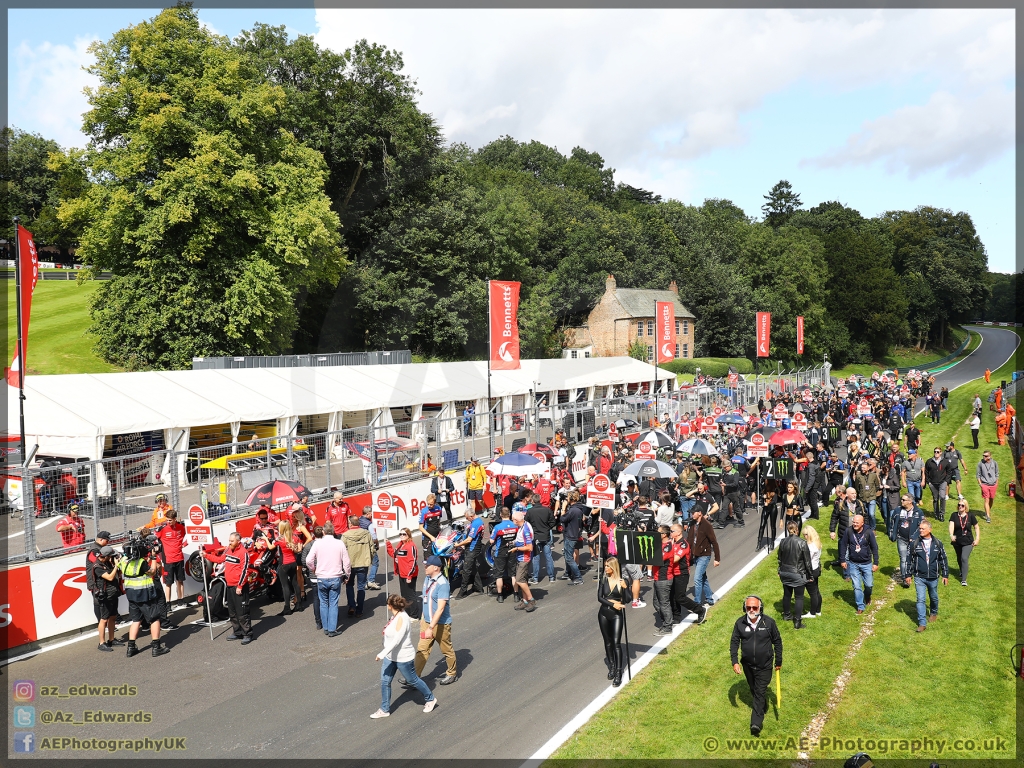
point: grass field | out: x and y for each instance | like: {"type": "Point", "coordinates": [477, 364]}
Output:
{"type": "Point", "coordinates": [58, 342]}
{"type": "Point", "coordinates": [952, 682]}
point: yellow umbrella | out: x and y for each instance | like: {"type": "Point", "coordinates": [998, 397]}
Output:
{"type": "Point", "coordinates": [778, 688]}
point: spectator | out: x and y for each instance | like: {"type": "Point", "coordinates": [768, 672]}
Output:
{"type": "Point", "coordinates": [987, 474]}
{"type": "Point", "coordinates": [359, 545]}
{"type": "Point", "coordinates": [868, 486]}
{"type": "Point", "coordinates": [436, 623]}
{"type": "Point", "coordinates": [572, 529]}
{"type": "Point", "coordinates": [328, 559]}
{"type": "Point", "coordinates": [678, 599]}
{"type": "Point", "coordinates": [541, 519]}
{"type": "Point", "coordinates": [702, 542]}
{"type": "Point", "coordinates": [756, 643]}
{"type": "Point", "coordinates": [912, 469]}
{"type": "Point", "coordinates": [926, 563]}
{"type": "Point", "coordinates": [965, 535]}
{"type": "Point", "coordinates": [366, 522]}
{"type": "Point", "coordinates": [814, 548]}
{"type": "Point", "coordinates": [442, 487]}
{"type": "Point", "coordinates": [858, 556]}
{"type": "Point", "coordinates": [398, 655]}
{"type": "Point", "coordinates": [975, 424]}
{"type": "Point", "coordinates": [795, 572]}
{"type": "Point", "coordinates": [937, 473]}
{"type": "Point", "coordinates": [904, 524]}
{"type": "Point", "coordinates": [310, 576]}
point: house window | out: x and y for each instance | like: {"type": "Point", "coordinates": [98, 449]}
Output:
{"type": "Point", "coordinates": [650, 327]}
{"type": "Point", "coordinates": [686, 350]}
{"type": "Point", "coordinates": [573, 354]}
{"type": "Point", "coordinates": [640, 329]}
{"type": "Point", "coordinates": [586, 354]}
{"type": "Point", "coordinates": [650, 352]}
{"type": "Point", "coordinates": [686, 327]}
{"type": "Point", "coordinates": [677, 327]}
{"type": "Point", "coordinates": [677, 350]}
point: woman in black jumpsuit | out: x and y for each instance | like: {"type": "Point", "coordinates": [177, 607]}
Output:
{"type": "Point", "coordinates": [612, 593]}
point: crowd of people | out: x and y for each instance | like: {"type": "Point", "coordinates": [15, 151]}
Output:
{"type": "Point", "coordinates": [861, 464]}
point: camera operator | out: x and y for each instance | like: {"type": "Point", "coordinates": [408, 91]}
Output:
{"type": "Point", "coordinates": [172, 539]}
{"type": "Point", "coordinates": [105, 585]}
{"type": "Point", "coordinates": [139, 568]}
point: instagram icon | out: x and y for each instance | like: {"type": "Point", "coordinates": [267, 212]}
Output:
{"type": "Point", "coordinates": [24, 690]}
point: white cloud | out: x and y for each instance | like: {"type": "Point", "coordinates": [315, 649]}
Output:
{"type": "Point", "coordinates": [643, 87]}
{"type": "Point", "coordinates": [958, 133]}
{"type": "Point", "coordinates": [46, 90]}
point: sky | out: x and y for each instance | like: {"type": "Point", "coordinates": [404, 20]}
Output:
{"type": "Point", "coordinates": [878, 109]}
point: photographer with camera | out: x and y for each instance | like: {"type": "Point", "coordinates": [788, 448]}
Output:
{"type": "Point", "coordinates": [105, 585]}
{"type": "Point", "coordinates": [140, 568]}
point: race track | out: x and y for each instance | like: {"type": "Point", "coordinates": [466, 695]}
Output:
{"type": "Point", "coordinates": [295, 693]}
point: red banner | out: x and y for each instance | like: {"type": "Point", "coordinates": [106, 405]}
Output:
{"type": "Point", "coordinates": [504, 314]}
{"type": "Point", "coordinates": [666, 319]}
{"type": "Point", "coordinates": [799, 334]}
{"type": "Point", "coordinates": [29, 265]}
{"type": "Point", "coordinates": [764, 333]}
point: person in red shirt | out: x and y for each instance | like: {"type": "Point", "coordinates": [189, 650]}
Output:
{"type": "Point", "coordinates": [407, 568]}
{"type": "Point", "coordinates": [544, 489]}
{"type": "Point", "coordinates": [264, 525]}
{"type": "Point", "coordinates": [236, 570]}
{"type": "Point", "coordinates": [338, 512]}
{"type": "Point", "coordinates": [71, 528]}
{"type": "Point", "coordinates": [663, 584]}
{"type": "Point", "coordinates": [272, 515]}
{"type": "Point", "coordinates": [604, 461]}
{"type": "Point", "coordinates": [172, 539]}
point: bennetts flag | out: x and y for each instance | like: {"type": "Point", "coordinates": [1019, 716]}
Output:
{"type": "Point", "coordinates": [504, 313]}
{"type": "Point", "coordinates": [29, 265]}
{"type": "Point", "coordinates": [764, 333]}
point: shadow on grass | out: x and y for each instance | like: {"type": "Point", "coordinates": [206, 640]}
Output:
{"type": "Point", "coordinates": [740, 692]}
{"type": "Point", "coordinates": [846, 595]}
{"type": "Point", "coordinates": [908, 608]}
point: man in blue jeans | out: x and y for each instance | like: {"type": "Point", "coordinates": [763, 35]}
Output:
{"type": "Point", "coordinates": [366, 521]}
{"type": "Point", "coordinates": [858, 555]}
{"type": "Point", "coordinates": [912, 471]}
{"type": "Point", "coordinates": [702, 541]}
{"type": "Point", "coordinates": [328, 559]}
{"type": "Point", "coordinates": [572, 524]}
{"type": "Point", "coordinates": [904, 525]}
{"type": "Point", "coordinates": [542, 520]}
{"type": "Point", "coordinates": [927, 562]}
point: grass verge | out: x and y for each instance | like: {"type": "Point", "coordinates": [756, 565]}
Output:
{"type": "Point", "coordinates": [58, 337]}
{"type": "Point", "coordinates": [688, 704]}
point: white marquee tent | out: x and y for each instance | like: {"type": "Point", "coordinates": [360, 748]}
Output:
{"type": "Point", "coordinates": [74, 414]}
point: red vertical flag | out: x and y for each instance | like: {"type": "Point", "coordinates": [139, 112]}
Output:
{"type": "Point", "coordinates": [764, 333]}
{"type": "Point", "coordinates": [799, 334]}
{"type": "Point", "coordinates": [28, 263]}
{"type": "Point", "coordinates": [504, 312]}
{"type": "Point", "coordinates": [666, 313]}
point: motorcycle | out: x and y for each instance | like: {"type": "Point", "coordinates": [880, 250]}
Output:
{"type": "Point", "coordinates": [444, 547]}
{"type": "Point", "coordinates": [261, 576]}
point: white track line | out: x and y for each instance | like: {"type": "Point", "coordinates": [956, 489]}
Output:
{"type": "Point", "coordinates": [608, 694]}
{"type": "Point", "coordinates": [1015, 346]}
{"type": "Point", "coordinates": [43, 524]}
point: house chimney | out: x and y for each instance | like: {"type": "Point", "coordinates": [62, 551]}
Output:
{"type": "Point", "coordinates": [673, 287]}
{"type": "Point", "coordinates": [609, 284]}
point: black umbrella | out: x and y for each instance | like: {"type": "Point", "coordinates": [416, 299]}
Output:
{"type": "Point", "coordinates": [657, 438]}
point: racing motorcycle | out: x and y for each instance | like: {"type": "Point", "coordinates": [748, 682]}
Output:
{"type": "Point", "coordinates": [261, 576]}
{"type": "Point", "coordinates": [444, 547]}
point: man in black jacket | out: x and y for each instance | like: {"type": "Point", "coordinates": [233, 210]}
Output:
{"type": "Point", "coordinates": [858, 555]}
{"type": "Point", "coordinates": [904, 524]}
{"type": "Point", "coordinates": [543, 523]}
{"type": "Point", "coordinates": [937, 473]}
{"type": "Point", "coordinates": [926, 563]}
{"type": "Point", "coordinates": [757, 645]}
{"type": "Point", "coordinates": [443, 488]}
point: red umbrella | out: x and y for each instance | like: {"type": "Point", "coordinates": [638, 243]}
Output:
{"type": "Point", "coordinates": [277, 492]}
{"type": "Point", "coordinates": [786, 437]}
{"type": "Point", "coordinates": [544, 448]}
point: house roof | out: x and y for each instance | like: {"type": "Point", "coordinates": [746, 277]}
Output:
{"type": "Point", "coordinates": [577, 338]}
{"type": "Point", "coordinates": [638, 302]}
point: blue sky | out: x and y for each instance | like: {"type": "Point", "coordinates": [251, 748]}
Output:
{"type": "Point", "coordinates": [880, 110]}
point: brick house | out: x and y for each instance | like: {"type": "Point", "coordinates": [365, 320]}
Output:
{"type": "Point", "coordinates": [625, 314]}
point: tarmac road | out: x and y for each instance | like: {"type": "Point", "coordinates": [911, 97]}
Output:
{"type": "Point", "coordinates": [296, 693]}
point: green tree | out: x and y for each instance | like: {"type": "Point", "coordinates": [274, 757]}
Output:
{"type": "Point", "coordinates": [781, 203]}
{"type": "Point", "coordinates": [209, 212]}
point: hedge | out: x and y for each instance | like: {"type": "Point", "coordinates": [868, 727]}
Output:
{"type": "Point", "coordinates": [709, 366]}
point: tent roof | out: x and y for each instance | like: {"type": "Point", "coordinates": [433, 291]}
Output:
{"type": "Point", "coordinates": [91, 405]}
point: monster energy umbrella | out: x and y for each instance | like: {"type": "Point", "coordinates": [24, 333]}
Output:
{"type": "Point", "coordinates": [650, 469]}
{"type": "Point", "coordinates": [698, 446]}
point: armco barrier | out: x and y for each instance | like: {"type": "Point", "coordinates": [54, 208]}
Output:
{"type": "Point", "coordinates": [49, 597]}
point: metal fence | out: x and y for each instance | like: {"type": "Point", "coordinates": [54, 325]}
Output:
{"type": "Point", "coordinates": [119, 494]}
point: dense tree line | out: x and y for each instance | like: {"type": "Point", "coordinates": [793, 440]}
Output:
{"type": "Point", "coordinates": [263, 195]}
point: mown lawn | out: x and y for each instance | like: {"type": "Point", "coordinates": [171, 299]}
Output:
{"type": "Point", "coordinates": [951, 682]}
{"type": "Point", "coordinates": [58, 341]}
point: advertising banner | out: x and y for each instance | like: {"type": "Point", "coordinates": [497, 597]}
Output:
{"type": "Point", "coordinates": [799, 335]}
{"type": "Point", "coordinates": [666, 322]}
{"type": "Point", "coordinates": [764, 333]}
{"type": "Point", "coordinates": [504, 330]}
{"type": "Point", "coordinates": [638, 548]}
{"type": "Point", "coordinates": [601, 493]}
{"type": "Point", "coordinates": [29, 275]}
